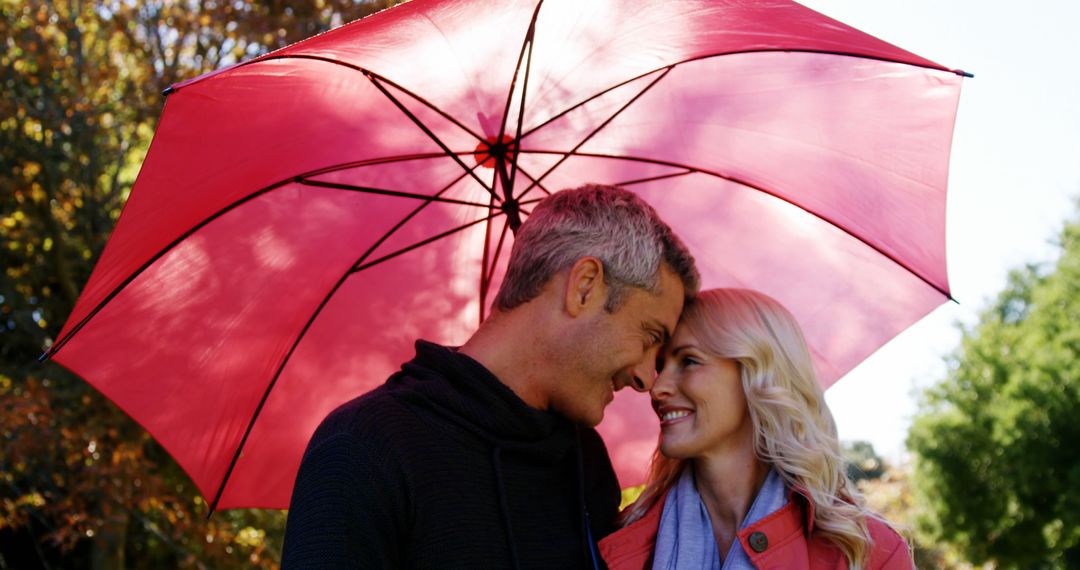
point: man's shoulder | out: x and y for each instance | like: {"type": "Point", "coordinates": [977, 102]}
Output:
{"type": "Point", "coordinates": [364, 416]}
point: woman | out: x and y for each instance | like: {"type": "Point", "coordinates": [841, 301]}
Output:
{"type": "Point", "coordinates": [748, 472]}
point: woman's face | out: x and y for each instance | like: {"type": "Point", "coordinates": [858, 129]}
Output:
{"type": "Point", "coordinates": [700, 401]}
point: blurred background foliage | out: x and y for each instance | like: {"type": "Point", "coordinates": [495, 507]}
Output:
{"type": "Point", "coordinates": [997, 468]}
{"type": "Point", "coordinates": [995, 474]}
{"type": "Point", "coordinates": [82, 485]}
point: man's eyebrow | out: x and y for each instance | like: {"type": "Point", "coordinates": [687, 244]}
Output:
{"type": "Point", "coordinates": [657, 325]}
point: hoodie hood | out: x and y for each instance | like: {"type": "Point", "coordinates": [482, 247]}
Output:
{"type": "Point", "coordinates": [465, 393]}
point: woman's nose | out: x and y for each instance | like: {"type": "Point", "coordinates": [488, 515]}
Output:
{"type": "Point", "coordinates": [662, 386]}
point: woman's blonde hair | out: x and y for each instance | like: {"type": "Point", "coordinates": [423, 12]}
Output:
{"type": "Point", "coordinates": [794, 431]}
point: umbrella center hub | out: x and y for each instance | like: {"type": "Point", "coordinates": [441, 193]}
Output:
{"type": "Point", "coordinates": [490, 151]}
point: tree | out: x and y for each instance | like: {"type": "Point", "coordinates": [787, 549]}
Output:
{"type": "Point", "coordinates": [80, 484]}
{"type": "Point", "coordinates": [996, 466]}
{"type": "Point", "coordinates": [862, 461]}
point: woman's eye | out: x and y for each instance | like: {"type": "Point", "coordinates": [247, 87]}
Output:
{"type": "Point", "coordinates": [687, 361]}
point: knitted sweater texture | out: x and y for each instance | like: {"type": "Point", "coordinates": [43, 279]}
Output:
{"type": "Point", "coordinates": [444, 466]}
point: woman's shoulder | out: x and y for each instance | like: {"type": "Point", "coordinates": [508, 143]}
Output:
{"type": "Point", "coordinates": [890, 551]}
{"type": "Point", "coordinates": [631, 547]}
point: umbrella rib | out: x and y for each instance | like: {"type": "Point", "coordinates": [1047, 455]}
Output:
{"type": "Point", "coordinates": [376, 161]}
{"type": "Point", "coordinates": [371, 74]}
{"type": "Point", "coordinates": [752, 186]}
{"type": "Point", "coordinates": [536, 183]}
{"type": "Point", "coordinates": [653, 178]}
{"type": "Point", "coordinates": [598, 129]}
{"type": "Point", "coordinates": [378, 85]}
{"type": "Point", "coordinates": [587, 100]}
{"type": "Point", "coordinates": [449, 232]}
{"type": "Point", "coordinates": [530, 42]}
{"type": "Point", "coordinates": [404, 221]}
{"type": "Point", "coordinates": [736, 52]}
{"type": "Point", "coordinates": [384, 192]}
{"type": "Point", "coordinates": [622, 183]}
{"type": "Point", "coordinates": [527, 44]}
{"type": "Point", "coordinates": [61, 342]}
{"type": "Point", "coordinates": [498, 250]}
{"type": "Point", "coordinates": [303, 331]}
{"type": "Point", "coordinates": [483, 265]}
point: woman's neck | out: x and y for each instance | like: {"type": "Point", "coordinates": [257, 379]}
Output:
{"type": "Point", "coordinates": [728, 482]}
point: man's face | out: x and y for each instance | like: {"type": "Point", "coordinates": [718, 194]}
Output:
{"type": "Point", "coordinates": [613, 350]}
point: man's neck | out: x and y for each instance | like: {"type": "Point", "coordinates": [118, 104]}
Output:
{"type": "Point", "coordinates": [513, 353]}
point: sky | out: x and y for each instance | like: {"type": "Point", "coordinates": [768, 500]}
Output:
{"type": "Point", "coordinates": [1014, 178]}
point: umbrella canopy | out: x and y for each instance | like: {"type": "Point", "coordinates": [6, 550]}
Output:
{"type": "Point", "coordinates": [301, 218]}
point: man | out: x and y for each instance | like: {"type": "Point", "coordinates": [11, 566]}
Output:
{"type": "Point", "coordinates": [485, 456]}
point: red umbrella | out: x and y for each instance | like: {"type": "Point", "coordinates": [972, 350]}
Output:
{"type": "Point", "coordinates": [301, 218]}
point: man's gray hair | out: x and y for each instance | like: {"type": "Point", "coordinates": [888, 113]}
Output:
{"type": "Point", "coordinates": [607, 222]}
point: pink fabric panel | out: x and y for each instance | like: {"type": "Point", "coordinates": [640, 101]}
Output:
{"type": "Point", "coordinates": [428, 178]}
{"type": "Point", "coordinates": [864, 144]}
{"type": "Point", "coordinates": [461, 55]}
{"type": "Point", "coordinates": [362, 336]}
{"type": "Point", "coordinates": [189, 349]}
{"type": "Point", "coordinates": [220, 141]}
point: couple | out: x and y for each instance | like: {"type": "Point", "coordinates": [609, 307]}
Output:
{"type": "Point", "coordinates": [485, 456]}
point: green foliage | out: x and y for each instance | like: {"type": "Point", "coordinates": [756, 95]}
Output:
{"type": "Point", "coordinates": [81, 485]}
{"type": "Point", "coordinates": [862, 461]}
{"type": "Point", "coordinates": [997, 465]}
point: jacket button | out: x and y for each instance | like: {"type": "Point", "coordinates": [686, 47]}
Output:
{"type": "Point", "coordinates": [759, 542]}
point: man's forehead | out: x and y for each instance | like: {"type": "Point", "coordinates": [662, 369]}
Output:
{"type": "Point", "coordinates": [663, 310]}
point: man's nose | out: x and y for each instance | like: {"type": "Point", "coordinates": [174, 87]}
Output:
{"type": "Point", "coordinates": [643, 376]}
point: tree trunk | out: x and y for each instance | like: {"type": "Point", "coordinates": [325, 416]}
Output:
{"type": "Point", "coordinates": [110, 542]}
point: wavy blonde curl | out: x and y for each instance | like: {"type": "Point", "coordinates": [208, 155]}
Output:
{"type": "Point", "coordinates": [794, 431]}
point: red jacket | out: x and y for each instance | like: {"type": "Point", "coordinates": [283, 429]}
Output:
{"type": "Point", "coordinates": [782, 540]}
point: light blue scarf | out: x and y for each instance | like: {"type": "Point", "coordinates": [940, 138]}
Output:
{"type": "Point", "coordinates": [685, 539]}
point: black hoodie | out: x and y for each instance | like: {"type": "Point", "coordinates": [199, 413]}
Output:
{"type": "Point", "coordinates": [444, 466]}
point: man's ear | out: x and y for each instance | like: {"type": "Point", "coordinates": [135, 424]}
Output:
{"type": "Point", "coordinates": [585, 287]}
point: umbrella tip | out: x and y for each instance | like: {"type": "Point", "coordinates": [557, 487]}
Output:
{"type": "Point", "coordinates": [44, 356]}
{"type": "Point", "coordinates": [963, 73]}
{"type": "Point", "coordinates": [168, 91]}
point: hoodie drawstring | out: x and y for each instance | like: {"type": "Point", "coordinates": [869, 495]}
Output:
{"type": "Point", "coordinates": [594, 555]}
{"type": "Point", "coordinates": [496, 460]}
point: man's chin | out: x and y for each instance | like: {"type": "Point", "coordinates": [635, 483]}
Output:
{"type": "Point", "coordinates": [588, 419]}
{"type": "Point", "coordinates": [594, 419]}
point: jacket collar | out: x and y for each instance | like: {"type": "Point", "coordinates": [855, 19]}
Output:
{"type": "Point", "coordinates": [798, 494]}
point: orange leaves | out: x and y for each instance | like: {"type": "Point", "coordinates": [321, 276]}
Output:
{"type": "Point", "coordinates": [82, 89]}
